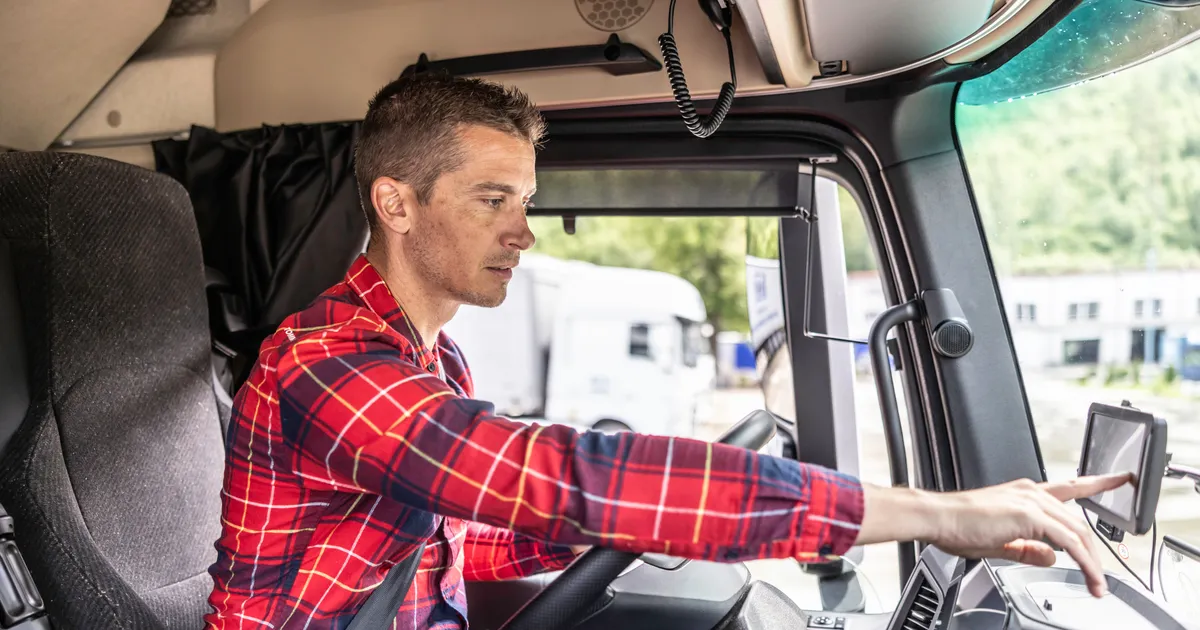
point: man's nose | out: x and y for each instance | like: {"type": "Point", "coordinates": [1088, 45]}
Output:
{"type": "Point", "coordinates": [520, 238]}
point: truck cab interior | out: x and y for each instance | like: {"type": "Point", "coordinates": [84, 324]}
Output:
{"type": "Point", "coordinates": [176, 177]}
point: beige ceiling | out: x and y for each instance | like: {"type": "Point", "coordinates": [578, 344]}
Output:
{"type": "Point", "coordinates": [267, 71]}
{"type": "Point", "coordinates": [56, 55]}
{"type": "Point", "coordinates": [75, 75]}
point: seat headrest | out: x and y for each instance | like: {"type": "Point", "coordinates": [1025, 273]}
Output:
{"type": "Point", "coordinates": [107, 262]}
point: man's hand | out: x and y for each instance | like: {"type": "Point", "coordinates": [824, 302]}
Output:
{"type": "Point", "coordinates": [579, 549]}
{"type": "Point", "coordinates": [1006, 521]}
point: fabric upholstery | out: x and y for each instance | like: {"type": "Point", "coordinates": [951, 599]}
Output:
{"type": "Point", "coordinates": [113, 478]}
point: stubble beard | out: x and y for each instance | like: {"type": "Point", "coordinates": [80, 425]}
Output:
{"type": "Point", "coordinates": [431, 264]}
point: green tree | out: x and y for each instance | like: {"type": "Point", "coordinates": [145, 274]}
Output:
{"type": "Point", "coordinates": [1098, 177]}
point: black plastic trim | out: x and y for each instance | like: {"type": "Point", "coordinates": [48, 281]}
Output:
{"type": "Point", "coordinates": [614, 57]}
{"type": "Point", "coordinates": [987, 251]}
{"type": "Point", "coordinates": [776, 211]}
{"type": "Point", "coordinates": [892, 430]}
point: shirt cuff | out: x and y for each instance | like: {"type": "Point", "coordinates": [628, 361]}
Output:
{"type": "Point", "coordinates": [556, 557]}
{"type": "Point", "coordinates": [835, 511]}
{"type": "Point", "coordinates": [850, 509]}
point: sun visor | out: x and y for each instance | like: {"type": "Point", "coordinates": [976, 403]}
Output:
{"type": "Point", "coordinates": [866, 36]}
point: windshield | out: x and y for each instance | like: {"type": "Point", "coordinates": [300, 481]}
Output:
{"type": "Point", "coordinates": [1099, 37]}
{"type": "Point", "coordinates": [1090, 201]}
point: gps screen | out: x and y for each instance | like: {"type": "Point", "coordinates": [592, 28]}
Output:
{"type": "Point", "coordinates": [1116, 446]}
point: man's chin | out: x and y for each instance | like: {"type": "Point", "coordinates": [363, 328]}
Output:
{"type": "Point", "coordinates": [490, 299]}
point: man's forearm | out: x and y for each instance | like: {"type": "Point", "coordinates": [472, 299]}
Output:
{"type": "Point", "coordinates": [898, 514]}
{"type": "Point", "coordinates": [671, 495]}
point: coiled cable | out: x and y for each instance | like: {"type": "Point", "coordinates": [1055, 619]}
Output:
{"type": "Point", "coordinates": [700, 127]}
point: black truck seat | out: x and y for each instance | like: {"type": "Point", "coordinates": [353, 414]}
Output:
{"type": "Point", "coordinates": [113, 471]}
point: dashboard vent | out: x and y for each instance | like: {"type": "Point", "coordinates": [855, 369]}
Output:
{"type": "Point", "coordinates": [922, 613]}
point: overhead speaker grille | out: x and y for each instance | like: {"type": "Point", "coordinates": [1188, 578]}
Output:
{"type": "Point", "coordinates": [189, 8]}
{"type": "Point", "coordinates": [613, 15]}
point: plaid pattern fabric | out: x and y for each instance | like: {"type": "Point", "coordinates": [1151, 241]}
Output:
{"type": "Point", "coordinates": [346, 450]}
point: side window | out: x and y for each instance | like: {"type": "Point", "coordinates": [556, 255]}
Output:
{"type": "Point", "coordinates": [680, 284]}
{"type": "Point", "coordinates": [695, 344]}
{"type": "Point", "coordinates": [863, 301]}
{"type": "Point", "coordinates": [639, 340]}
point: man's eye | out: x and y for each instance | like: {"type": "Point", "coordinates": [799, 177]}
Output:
{"type": "Point", "coordinates": [494, 203]}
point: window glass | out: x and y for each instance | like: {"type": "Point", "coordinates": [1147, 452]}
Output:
{"type": "Point", "coordinates": [715, 380]}
{"type": "Point", "coordinates": [1099, 37]}
{"type": "Point", "coordinates": [1090, 202]}
{"type": "Point", "coordinates": [695, 343]}
{"type": "Point", "coordinates": [639, 340]}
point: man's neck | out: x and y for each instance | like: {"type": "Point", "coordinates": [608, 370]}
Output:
{"type": "Point", "coordinates": [427, 312]}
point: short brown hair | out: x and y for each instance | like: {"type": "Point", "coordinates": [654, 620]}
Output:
{"type": "Point", "coordinates": [409, 132]}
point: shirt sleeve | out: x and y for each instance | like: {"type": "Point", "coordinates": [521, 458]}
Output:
{"type": "Point", "coordinates": [492, 553]}
{"type": "Point", "coordinates": [361, 416]}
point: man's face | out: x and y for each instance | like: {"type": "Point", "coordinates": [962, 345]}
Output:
{"type": "Point", "coordinates": [465, 242]}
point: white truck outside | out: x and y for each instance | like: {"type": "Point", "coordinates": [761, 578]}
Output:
{"type": "Point", "coordinates": [592, 347]}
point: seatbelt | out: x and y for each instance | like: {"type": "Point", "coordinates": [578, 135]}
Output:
{"type": "Point", "coordinates": [21, 606]}
{"type": "Point", "coordinates": [383, 604]}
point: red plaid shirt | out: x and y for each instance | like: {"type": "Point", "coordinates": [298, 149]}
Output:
{"type": "Point", "coordinates": [346, 450]}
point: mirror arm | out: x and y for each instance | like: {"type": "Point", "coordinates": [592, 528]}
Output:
{"type": "Point", "coordinates": [1178, 471]}
{"type": "Point", "coordinates": [809, 215]}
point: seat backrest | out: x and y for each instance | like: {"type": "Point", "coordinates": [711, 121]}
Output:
{"type": "Point", "coordinates": [113, 477]}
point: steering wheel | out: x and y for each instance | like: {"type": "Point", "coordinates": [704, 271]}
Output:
{"type": "Point", "coordinates": [581, 585]}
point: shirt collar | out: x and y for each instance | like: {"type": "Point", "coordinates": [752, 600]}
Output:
{"type": "Point", "coordinates": [366, 282]}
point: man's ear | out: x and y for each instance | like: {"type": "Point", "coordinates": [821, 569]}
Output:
{"type": "Point", "coordinates": [394, 204]}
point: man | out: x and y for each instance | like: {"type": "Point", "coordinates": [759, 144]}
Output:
{"type": "Point", "coordinates": [355, 438]}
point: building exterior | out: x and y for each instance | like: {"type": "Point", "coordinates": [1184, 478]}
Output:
{"type": "Point", "coordinates": [1118, 318]}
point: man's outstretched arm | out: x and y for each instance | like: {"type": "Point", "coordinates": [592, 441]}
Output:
{"type": "Point", "coordinates": [363, 417]}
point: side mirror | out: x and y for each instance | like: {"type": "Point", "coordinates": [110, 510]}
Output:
{"type": "Point", "coordinates": [1179, 575]}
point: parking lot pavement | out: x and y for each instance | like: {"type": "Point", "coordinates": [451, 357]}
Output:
{"type": "Point", "coordinates": [1059, 409]}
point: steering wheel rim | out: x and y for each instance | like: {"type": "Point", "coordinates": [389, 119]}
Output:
{"type": "Point", "coordinates": [580, 587]}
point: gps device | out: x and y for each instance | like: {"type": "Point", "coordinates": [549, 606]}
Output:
{"type": "Point", "coordinates": [1124, 439]}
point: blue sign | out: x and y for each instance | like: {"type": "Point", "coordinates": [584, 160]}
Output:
{"type": "Point", "coordinates": [744, 356]}
{"type": "Point", "coordinates": [1190, 359]}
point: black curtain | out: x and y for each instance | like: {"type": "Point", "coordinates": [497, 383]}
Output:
{"type": "Point", "coordinates": [280, 222]}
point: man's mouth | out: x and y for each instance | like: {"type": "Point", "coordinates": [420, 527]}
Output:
{"type": "Point", "coordinates": [505, 272]}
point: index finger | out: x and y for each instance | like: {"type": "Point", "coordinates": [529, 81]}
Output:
{"type": "Point", "coordinates": [1081, 487]}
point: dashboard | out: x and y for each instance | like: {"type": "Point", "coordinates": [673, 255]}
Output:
{"type": "Point", "coordinates": [949, 592]}
{"type": "Point", "coordinates": [945, 592]}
